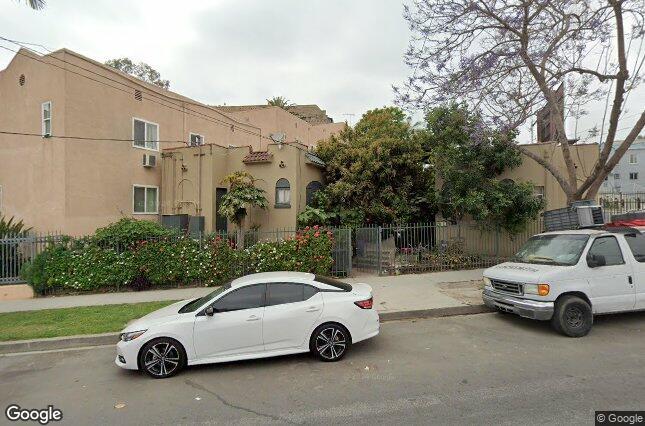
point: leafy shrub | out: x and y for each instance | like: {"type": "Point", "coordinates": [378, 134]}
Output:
{"type": "Point", "coordinates": [127, 232]}
{"type": "Point", "coordinates": [91, 264]}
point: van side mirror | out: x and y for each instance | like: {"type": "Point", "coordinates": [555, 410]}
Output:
{"type": "Point", "coordinates": [596, 260]}
{"type": "Point", "coordinates": [209, 311]}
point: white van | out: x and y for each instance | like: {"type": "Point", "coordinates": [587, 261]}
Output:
{"type": "Point", "coordinates": [567, 277]}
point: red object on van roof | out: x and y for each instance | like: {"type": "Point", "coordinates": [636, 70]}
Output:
{"type": "Point", "coordinates": [629, 222]}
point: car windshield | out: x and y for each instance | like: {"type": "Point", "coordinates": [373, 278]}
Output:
{"type": "Point", "coordinates": [194, 304]}
{"type": "Point", "coordinates": [552, 249]}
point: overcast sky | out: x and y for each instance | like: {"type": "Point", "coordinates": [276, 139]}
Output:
{"type": "Point", "coordinates": [342, 55]}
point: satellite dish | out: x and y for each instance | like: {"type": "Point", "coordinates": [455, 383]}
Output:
{"type": "Point", "coordinates": [278, 137]}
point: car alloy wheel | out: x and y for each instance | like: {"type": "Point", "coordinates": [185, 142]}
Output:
{"type": "Point", "coordinates": [331, 343]}
{"type": "Point", "coordinates": [162, 359]}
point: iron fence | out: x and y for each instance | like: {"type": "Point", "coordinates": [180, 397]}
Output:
{"type": "Point", "coordinates": [18, 249]}
{"type": "Point", "coordinates": [383, 250]}
{"type": "Point", "coordinates": [412, 248]}
{"type": "Point", "coordinates": [615, 203]}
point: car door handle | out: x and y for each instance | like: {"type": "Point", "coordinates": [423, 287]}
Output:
{"type": "Point", "coordinates": [253, 318]}
{"type": "Point", "coordinates": [629, 279]}
{"type": "Point", "coordinates": [312, 309]}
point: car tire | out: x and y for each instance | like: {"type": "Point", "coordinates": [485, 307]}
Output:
{"type": "Point", "coordinates": [572, 316]}
{"type": "Point", "coordinates": [161, 358]}
{"type": "Point", "coordinates": [330, 342]}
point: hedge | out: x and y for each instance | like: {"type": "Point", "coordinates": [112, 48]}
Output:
{"type": "Point", "coordinates": [111, 260]}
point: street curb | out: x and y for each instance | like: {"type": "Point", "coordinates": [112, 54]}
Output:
{"type": "Point", "coordinates": [69, 342]}
{"type": "Point", "coordinates": [65, 342]}
{"type": "Point", "coordinates": [435, 313]}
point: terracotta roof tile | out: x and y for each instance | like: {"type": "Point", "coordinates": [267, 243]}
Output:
{"type": "Point", "coordinates": [258, 157]}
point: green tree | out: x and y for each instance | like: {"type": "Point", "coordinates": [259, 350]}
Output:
{"type": "Point", "coordinates": [141, 70]}
{"type": "Point", "coordinates": [12, 227]}
{"type": "Point", "coordinates": [468, 158]}
{"type": "Point", "coordinates": [243, 195]}
{"type": "Point", "coordinates": [280, 101]}
{"type": "Point", "coordinates": [376, 173]}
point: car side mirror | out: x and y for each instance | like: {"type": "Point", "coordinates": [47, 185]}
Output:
{"type": "Point", "coordinates": [596, 260]}
{"type": "Point", "coordinates": [209, 311]}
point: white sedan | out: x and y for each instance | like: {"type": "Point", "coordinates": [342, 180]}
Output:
{"type": "Point", "coordinates": [256, 316]}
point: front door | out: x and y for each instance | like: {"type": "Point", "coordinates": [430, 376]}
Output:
{"type": "Point", "coordinates": [291, 312]}
{"type": "Point", "coordinates": [220, 220]}
{"type": "Point", "coordinates": [611, 285]}
{"type": "Point", "coordinates": [236, 326]}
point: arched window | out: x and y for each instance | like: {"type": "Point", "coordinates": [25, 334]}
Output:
{"type": "Point", "coordinates": [282, 194]}
{"type": "Point", "coordinates": [312, 188]}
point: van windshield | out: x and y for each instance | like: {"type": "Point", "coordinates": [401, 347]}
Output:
{"type": "Point", "coordinates": [554, 249]}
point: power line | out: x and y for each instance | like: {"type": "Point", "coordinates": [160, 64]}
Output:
{"type": "Point", "coordinates": [4, 132]}
{"type": "Point", "coordinates": [180, 107]}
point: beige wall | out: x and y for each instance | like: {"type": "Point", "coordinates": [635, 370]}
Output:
{"type": "Point", "coordinates": [184, 192]}
{"type": "Point", "coordinates": [274, 119]}
{"type": "Point", "coordinates": [584, 156]}
{"type": "Point", "coordinates": [74, 185]}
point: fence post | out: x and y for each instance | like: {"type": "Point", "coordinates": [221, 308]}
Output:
{"type": "Point", "coordinates": [348, 246]}
{"type": "Point", "coordinates": [497, 232]}
{"type": "Point", "coordinates": [378, 249]}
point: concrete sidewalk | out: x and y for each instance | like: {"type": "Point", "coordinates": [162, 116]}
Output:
{"type": "Point", "coordinates": [391, 293]}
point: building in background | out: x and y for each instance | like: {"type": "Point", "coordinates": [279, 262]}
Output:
{"type": "Point", "coordinates": [81, 142]}
{"type": "Point", "coordinates": [546, 186]}
{"type": "Point", "coordinates": [629, 174]}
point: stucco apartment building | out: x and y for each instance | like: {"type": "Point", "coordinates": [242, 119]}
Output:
{"type": "Point", "coordinates": [81, 143]}
{"type": "Point", "coordinates": [629, 174]}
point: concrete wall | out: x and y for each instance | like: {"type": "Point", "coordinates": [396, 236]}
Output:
{"type": "Point", "coordinates": [185, 192]}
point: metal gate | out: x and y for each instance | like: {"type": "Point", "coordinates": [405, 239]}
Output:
{"type": "Point", "coordinates": [368, 250]}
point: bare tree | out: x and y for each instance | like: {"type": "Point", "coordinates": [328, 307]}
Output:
{"type": "Point", "coordinates": [36, 4]}
{"type": "Point", "coordinates": [508, 57]}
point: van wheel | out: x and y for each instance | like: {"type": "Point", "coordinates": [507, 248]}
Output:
{"type": "Point", "coordinates": [572, 316]}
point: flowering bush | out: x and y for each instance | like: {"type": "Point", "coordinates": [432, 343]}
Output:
{"type": "Point", "coordinates": [84, 265]}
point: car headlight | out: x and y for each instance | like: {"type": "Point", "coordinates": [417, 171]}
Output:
{"type": "Point", "coordinates": [126, 337]}
{"type": "Point", "coordinates": [487, 282]}
{"type": "Point", "coordinates": [538, 289]}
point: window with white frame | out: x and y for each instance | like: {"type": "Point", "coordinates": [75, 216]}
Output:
{"type": "Point", "coordinates": [633, 159]}
{"type": "Point", "coordinates": [145, 199]}
{"type": "Point", "coordinates": [46, 113]}
{"type": "Point", "coordinates": [145, 134]}
{"type": "Point", "coordinates": [196, 140]}
{"type": "Point", "coordinates": [633, 176]}
{"type": "Point", "coordinates": [538, 191]}
{"type": "Point", "coordinates": [616, 176]}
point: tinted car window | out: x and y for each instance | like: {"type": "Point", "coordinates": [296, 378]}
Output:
{"type": "Point", "coordinates": [279, 293]}
{"type": "Point", "coordinates": [193, 305]}
{"type": "Point", "coordinates": [309, 291]}
{"type": "Point", "coordinates": [609, 248]}
{"type": "Point", "coordinates": [243, 298]}
{"type": "Point", "coordinates": [637, 245]}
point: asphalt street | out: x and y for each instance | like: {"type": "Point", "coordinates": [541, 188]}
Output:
{"type": "Point", "coordinates": [478, 369]}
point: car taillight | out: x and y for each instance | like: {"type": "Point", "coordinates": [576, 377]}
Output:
{"type": "Point", "coordinates": [365, 304]}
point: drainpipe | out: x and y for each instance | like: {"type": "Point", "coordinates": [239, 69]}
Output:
{"type": "Point", "coordinates": [199, 183]}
